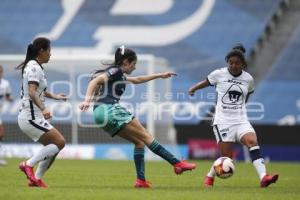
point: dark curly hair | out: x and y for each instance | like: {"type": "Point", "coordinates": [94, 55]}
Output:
{"type": "Point", "coordinates": [239, 51]}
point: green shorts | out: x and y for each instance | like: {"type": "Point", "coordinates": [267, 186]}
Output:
{"type": "Point", "coordinates": [112, 117]}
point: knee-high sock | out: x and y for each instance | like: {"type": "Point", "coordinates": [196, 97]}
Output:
{"type": "Point", "coordinates": [139, 162]}
{"type": "Point", "coordinates": [211, 172]}
{"type": "Point", "coordinates": [45, 153]}
{"type": "Point", "coordinates": [158, 149]}
{"type": "Point", "coordinates": [258, 161]}
{"type": "Point", "coordinates": [43, 166]}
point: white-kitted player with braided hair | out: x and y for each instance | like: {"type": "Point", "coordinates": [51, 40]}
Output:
{"type": "Point", "coordinates": [33, 116]}
{"type": "Point", "coordinates": [230, 124]}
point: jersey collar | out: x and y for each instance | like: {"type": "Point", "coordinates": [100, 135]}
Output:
{"type": "Point", "coordinates": [39, 64]}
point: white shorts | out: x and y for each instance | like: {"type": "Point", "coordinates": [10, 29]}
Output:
{"type": "Point", "coordinates": [34, 128]}
{"type": "Point", "coordinates": [232, 132]}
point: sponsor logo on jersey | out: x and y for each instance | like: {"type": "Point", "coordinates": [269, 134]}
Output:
{"type": "Point", "coordinates": [235, 82]}
{"type": "Point", "coordinates": [113, 71]}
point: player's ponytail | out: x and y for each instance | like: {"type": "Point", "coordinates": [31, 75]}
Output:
{"type": "Point", "coordinates": [239, 51]}
{"type": "Point", "coordinates": [33, 50]}
{"type": "Point", "coordinates": [122, 53]}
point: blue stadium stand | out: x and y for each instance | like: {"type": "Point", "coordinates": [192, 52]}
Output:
{"type": "Point", "coordinates": [279, 91]}
{"type": "Point", "coordinates": [193, 57]}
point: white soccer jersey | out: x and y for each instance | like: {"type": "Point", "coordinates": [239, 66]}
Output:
{"type": "Point", "coordinates": [5, 89]}
{"type": "Point", "coordinates": [33, 72]}
{"type": "Point", "coordinates": [232, 92]}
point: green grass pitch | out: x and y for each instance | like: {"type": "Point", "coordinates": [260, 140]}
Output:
{"type": "Point", "coordinates": [102, 179]}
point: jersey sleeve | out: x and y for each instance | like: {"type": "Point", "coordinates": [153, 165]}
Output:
{"type": "Point", "coordinates": [213, 77]}
{"type": "Point", "coordinates": [251, 86]}
{"type": "Point", "coordinates": [114, 74]}
{"type": "Point", "coordinates": [34, 74]}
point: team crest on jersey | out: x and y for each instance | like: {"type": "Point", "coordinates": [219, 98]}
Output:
{"type": "Point", "coordinates": [234, 95]}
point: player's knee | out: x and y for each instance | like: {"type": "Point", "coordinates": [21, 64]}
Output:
{"type": "Point", "coordinates": [139, 144]}
{"type": "Point", "coordinates": [146, 138]}
{"type": "Point", "coordinates": [60, 143]}
{"type": "Point", "coordinates": [251, 143]}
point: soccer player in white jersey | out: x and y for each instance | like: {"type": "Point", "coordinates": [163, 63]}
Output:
{"type": "Point", "coordinates": [33, 116]}
{"type": "Point", "coordinates": [230, 124]}
{"type": "Point", "coordinates": [5, 95]}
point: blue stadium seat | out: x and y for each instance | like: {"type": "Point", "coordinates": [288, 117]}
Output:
{"type": "Point", "coordinates": [230, 22]}
{"type": "Point", "coordinates": [279, 92]}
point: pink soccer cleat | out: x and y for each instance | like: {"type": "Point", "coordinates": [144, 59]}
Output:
{"type": "Point", "coordinates": [28, 171]}
{"type": "Point", "coordinates": [268, 179]}
{"type": "Point", "coordinates": [208, 181]}
{"type": "Point", "coordinates": [182, 166]}
{"type": "Point", "coordinates": [142, 184]}
{"type": "Point", "coordinates": [38, 183]}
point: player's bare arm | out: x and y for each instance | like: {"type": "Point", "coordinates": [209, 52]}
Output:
{"type": "Point", "coordinates": [32, 88]}
{"type": "Point", "coordinates": [93, 85]}
{"type": "Point", "coordinates": [60, 96]}
{"type": "Point", "coordinates": [198, 86]}
{"type": "Point", "coordinates": [146, 78]}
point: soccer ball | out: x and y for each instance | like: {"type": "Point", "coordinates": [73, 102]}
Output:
{"type": "Point", "coordinates": [224, 167]}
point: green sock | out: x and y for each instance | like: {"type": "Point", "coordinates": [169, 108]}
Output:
{"type": "Point", "coordinates": [139, 162]}
{"type": "Point", "coordinates": [158, 149]}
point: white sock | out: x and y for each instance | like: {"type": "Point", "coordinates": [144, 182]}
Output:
{"type": "Point", "coordinates": [211, 172]}
{"type": "Point", "coordinates": [260, 167]}
{"type": "Point", "coordinates": [43, 167]}
{"type": "Point", "coordinates": [45, 153]}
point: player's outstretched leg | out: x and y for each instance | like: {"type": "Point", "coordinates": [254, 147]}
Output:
{"type": "Point", "coordinates": [259, 164]}
{"type": "Point", "coordinates": [179, 166]}
{"type": "Point", "coordinates": [134, 129]}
